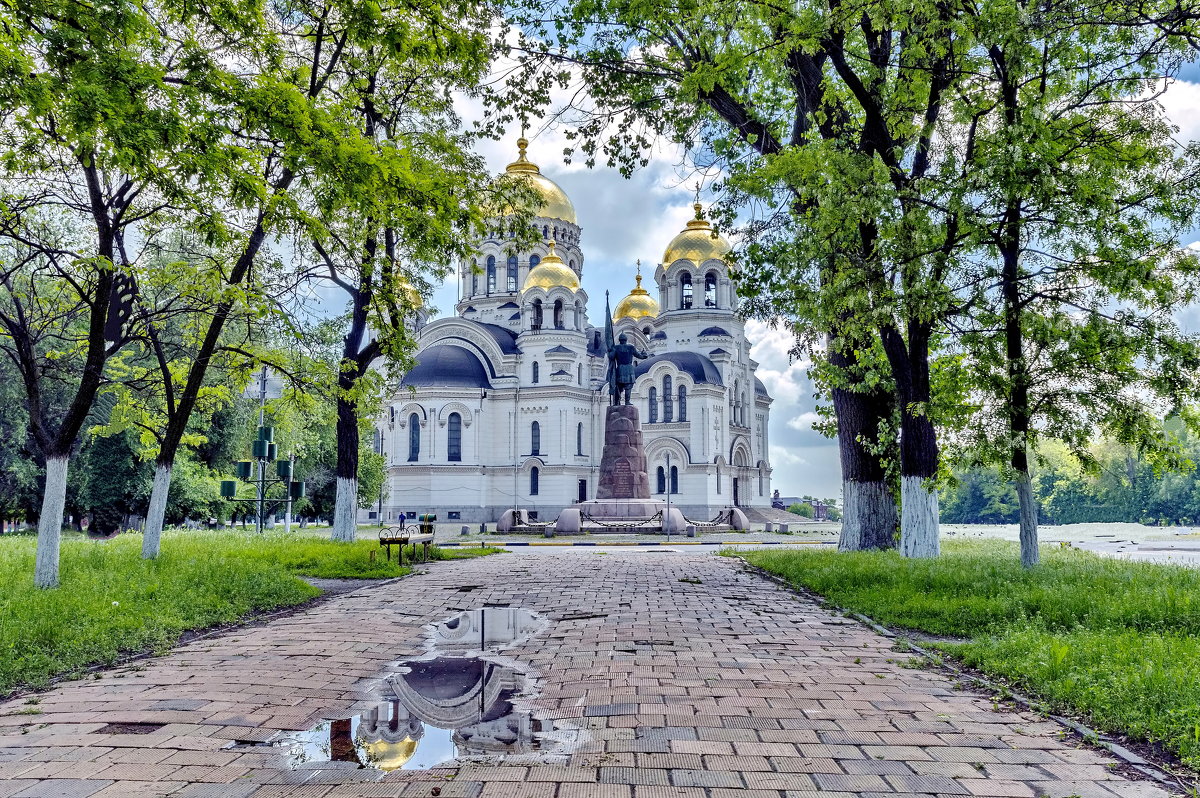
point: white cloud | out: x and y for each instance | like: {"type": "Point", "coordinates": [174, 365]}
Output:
{"type": "Point", "coordinates": [804, 422]}
{"type": "Point", "coordinates": [1181, 102]}
{"type": "Point", "coordinates": [783, 457]}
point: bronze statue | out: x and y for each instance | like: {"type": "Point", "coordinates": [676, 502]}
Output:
{"type": "Point", "coordinates": [622, 369]}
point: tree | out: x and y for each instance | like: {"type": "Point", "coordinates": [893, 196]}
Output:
{"type": "Point", "coordinates": [1084, 197]}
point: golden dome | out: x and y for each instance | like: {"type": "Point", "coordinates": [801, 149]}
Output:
{"type": "Point", "coordinates": [555, 203]}
{"type": "Point", "coordinates": [638, 303]}
{"type": "Point", "coordinates": [390, 756]}
{"type": "Point", "coordinates": [551, 273]}
{"type": "Point", "coordinates": [698, 243]}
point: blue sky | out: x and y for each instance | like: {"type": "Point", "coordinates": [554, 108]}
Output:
{"type": "Point", "coordinates": [624, 220]}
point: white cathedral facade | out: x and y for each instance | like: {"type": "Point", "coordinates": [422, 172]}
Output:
{"type": "Point", "coordinates": [505, 407]}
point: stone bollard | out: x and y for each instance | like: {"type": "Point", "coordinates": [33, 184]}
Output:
{"type": "Point", "coordinates": [691, 530]}
{"type": "Point", "coordinates": [549, 533]}
{"type": "Point", "coordinates": [783, 528]}
{"type": "Point", "coordinates": [466, 530]}
{"type": "Point", "coordinates": [483, 528]}
{"type": "Point", "coordinates": [768, 527]}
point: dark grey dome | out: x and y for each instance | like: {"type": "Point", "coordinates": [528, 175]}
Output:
{"type": "Point", "coordinates": [759, 388]}
{"type": "Point", "coordinates": [447, 366]}
{"type": "Point", "coordinates": [715, 331]}
{"type": "Point", "coordinates": [507, 339]}
{"type": "Point", "coordinates": [699, 367]}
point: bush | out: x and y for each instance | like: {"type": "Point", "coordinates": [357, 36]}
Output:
{"type": "Point", "coordinates": [801, 509]}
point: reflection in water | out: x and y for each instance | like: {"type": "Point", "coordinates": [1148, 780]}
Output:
{"type": "Point", "coordinates": [438, 709]}
{"type": "Point", "coordinates": [479, 630]}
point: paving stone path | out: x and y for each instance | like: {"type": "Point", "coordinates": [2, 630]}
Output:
{"type": "Point", "coordinates": [719, 686]}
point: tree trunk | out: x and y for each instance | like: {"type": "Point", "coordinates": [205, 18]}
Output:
{"type": "Point", "coordinates": [152, 534]}
{"type": "Point", "coordinates": [54, 500]}
{"type": "Point", "coordinates": [346, 503]}
{"type": "Point", "coordinates": [868, 506]}
{"type": "Point", "coordinates": [1029, 524]}
{"type": "Point", "coordinates": [919, 524]}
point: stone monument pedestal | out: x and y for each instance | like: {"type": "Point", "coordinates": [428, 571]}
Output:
{"type": "Point", "coordinates": [624, 490]}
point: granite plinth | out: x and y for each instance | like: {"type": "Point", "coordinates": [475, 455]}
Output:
{"type": "Point", "coordinates": [623, 461]}
{"type": "Point", "coordinates": [620, 509]}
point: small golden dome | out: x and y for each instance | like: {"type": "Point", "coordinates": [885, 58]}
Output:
{"type": "Point", "coordinates": [638, 304]}
{"type": "Point", "coordinates": [698, 243]}
{"type": "Point", "coordinates": [390, 756]}
{"type": "Point", "coordinates": [551, 273]}
{"type": "Point", "coordinates": [555, 203]}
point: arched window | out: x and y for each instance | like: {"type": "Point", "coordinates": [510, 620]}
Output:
{"type": "Point", "coordinates": [578, 315]}
{"type": "Point", "coordinates": [710, 290]}
{"type": "Point", "coordinates": [535, 438]}
{"type": "Point", "coordinates": [454, 438]}
{"type": "Point", "coordinates": [662, 481]}
{"type": "Point", "coordinates": [414, 438]}
{"type": "Point", "coordinates": [558, 314]}
{"type": "Point", "coordinates": [537, 314]}
{"type": "Point", "coordinates": [534, 260]}
{"type": "Point", "coordinates": [392, 414]}
{"type": "Point", "coordinates": [533, 481]}
{"type": "Point", "coordinates": [545, 231]}
{"type": "Point", "coordinates": [474, 278]}
{"type": "Point", "coordinates": [682, 403]}
{"type": "Point", "coordinates": [653, 405]}
{"type": "Point", "coordinates": [579, 438]}
{"type": "Point", "coordinates": [685, 284]}
{"type": "Point", "coordinates": [491, 274]}
{"type": "Point", "coordinates": [668, 405]}
{"type": "Point", "coordinates": [674, 479]}
{"type": "Point", "coordinates": [511, 280]}
{"type": "Point", "coordinates": [536, 373]}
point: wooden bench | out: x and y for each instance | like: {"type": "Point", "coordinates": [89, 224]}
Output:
{"type": "Point", "coordinates": [405, 536]}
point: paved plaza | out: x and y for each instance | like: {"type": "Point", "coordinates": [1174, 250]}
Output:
{"type": "Point", "coordinates": [654, 675]}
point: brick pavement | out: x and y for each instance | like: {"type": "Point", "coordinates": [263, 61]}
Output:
{"type": "Point", "coordinates": [723, 685]}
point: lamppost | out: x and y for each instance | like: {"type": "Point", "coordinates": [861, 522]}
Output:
{"type": "Point", "coordinates": [670, 484]}
{"type": "Point", "coordinates": [264, 450]}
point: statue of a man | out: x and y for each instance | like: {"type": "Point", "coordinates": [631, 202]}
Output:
{"type": "Point", "coordinates": [621, 369]}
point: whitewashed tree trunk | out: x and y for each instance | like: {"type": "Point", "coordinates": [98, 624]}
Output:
{"type": "Point", "coordinates": [345, 508]}
{"type": "Point", "coordinates": [868, 516]}
{"type": "Point", "coordinates": [918, 519]}
{"type": "Point", "coordinates": [152, 533]}
{"type": "Point", "coordinates": [1029, 523]}
{"type": "Point", "coordinates": [54, 501]}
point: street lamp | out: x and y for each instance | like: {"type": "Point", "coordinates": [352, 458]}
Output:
{"type": "Point", "coordinates": [264, 450]}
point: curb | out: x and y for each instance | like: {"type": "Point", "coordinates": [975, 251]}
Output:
{"type": "Point", "coordinates": [449, 545]}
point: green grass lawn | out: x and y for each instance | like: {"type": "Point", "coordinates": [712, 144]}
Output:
{"type": "Point", "coordinates": [111, 602]}
{"type": "Point", "coordinates": [1114, 641]}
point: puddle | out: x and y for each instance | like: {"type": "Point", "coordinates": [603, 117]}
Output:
{"type": "Point", "coordinates": [456, 703]}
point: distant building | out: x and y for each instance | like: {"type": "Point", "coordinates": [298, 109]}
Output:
{"type": "Point", "coordinates": [504, 406]}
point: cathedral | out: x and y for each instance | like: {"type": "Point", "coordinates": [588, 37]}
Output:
{"type": "Point", "coordinates": [505, 405]}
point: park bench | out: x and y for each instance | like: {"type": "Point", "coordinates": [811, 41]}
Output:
{"type": "Point", "coordinates": [418, 534]}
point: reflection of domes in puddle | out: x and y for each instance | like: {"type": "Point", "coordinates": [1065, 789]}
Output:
{"type": "Point", "coordinates": [389, 756]}
{"type": "Point", "coordinates": [697, 243]}
{"type": "Point", "coordinates": [433, 680]}
{"type": "Point", "coordinates": [555, 204]}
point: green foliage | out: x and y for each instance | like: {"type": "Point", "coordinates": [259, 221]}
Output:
{"type": "Point", "coordinates": [1117, 641]}
{"type": "Point", "coordinates": [801, 509]}
{"type": "Point", "coordinates": [113, 602]}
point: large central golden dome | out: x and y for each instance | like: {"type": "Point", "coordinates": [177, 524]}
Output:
{"type": "Point", "coordinates": [551, 273]}
{"type": "Point", "coordinates": [698, 243]}
{"type": "Point", "coordinates": [637, 304]}
{"type": "Point", "coordinates": [555, 203]}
